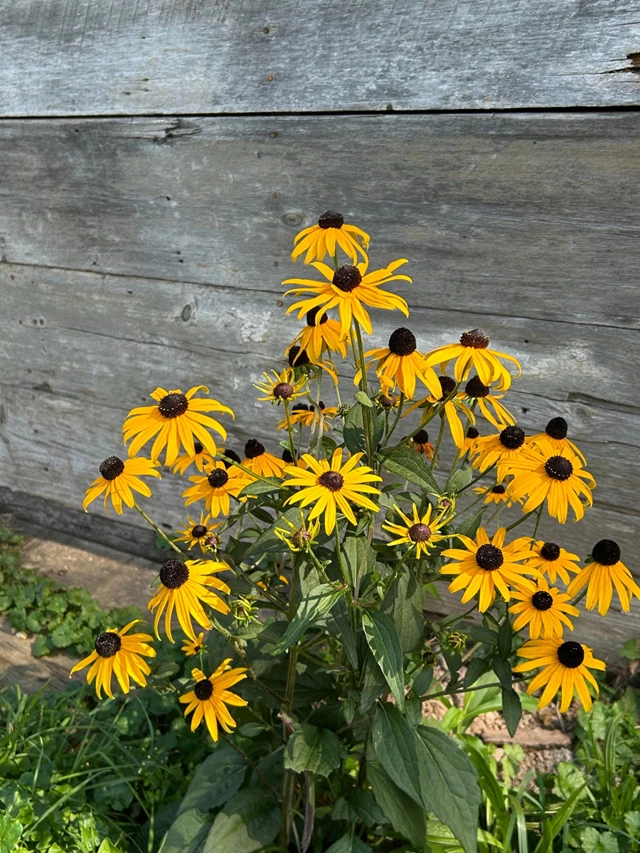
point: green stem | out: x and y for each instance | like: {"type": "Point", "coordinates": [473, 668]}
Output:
{"type": "Point", "coordinates": [253, 474]}
{"type": "Point", "coordinates": [475, 480]}
{"type": "Point", "coordinates": [343, 568]}
{"type": "Point", "coordinates": [520, 520]}
{"type": "Point", "coordinates": [397, 419]}
{"type": "Point", "coordinates": [158, 530]}
{"type": "Point", "coordinates": [580, 596]}
{"type": "Point", "coordinates": [364, 386]}
{"type": "Point", "coordinates": [450, 692]}
{"type": "Point", "coordinates": [535, 529]}
{"type": "Point", "coordinates": [292, 445]}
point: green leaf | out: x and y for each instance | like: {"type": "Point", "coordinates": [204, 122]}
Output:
{"type": "Point", "coordinates": [598, 842]}
{"type": "Point", "coordinates": [353, 431]}
{"type": "Point", "coordinates": [107, 846]}
{"type": "Point", "coordinates": [10, 832]}
{"type": "Point", "coordinates": [632, 823]}
{"type": "Point", "coordinates": [248, 822]}
{"type": "Point", "coordinates": [339, 624]}
{"type": "Point", "coordinates": [395, 745]}
{"type": "Point", "coordinates": [361, 559]}
{"type": "Point", "coordinates": [476, 668]}
{"type": "Point", "coordinates": [312, 608]}
{"type": "Point", "coordinates": [511, 709]}
{"type": "Point", "coordinates": [384, 643]}
{"type": "Point", "coordinates": [186, 833]}
{"type": "Point", "coordinates": [422, 681]}
{"type": "Point", "coordinates": [314, 749]}
{"type": "Point", "coordinates": [459, 480]}
{"type": "Point", "coordinates": [260, 487]}
{"type": "Point", "coordinates": [349, 843]}
{"type": "Point", "coordinates": [469, 527]}
{"type": "Point", "coordinates": [449, 785]}
{"type": "Point", "coordinates": [404, 604]}
{"type": "Point", "coordinates": [405, 816]}
{"type": "Point", "coordinates": [215, 781]}
{"type": "Point", "coordinates": [505, 635]}
{"type": "Point", "coordinates": [40, 646]}
{"type": "Point", "coordinates": [361, 397]}
{"type": "Point", "coordinates": [373, 684]}
{"type": "Point", "coordinates": [409, 465]}
{"type": "Point", "coordinates": [502, 669]}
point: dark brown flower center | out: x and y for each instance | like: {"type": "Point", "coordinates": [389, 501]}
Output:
{"type": "Point", "coordinates": [218, 478]}
{"type": "Point", "coordinates": [419, 533]}
{"type": "Point", "coordinates": [402, 342]}
{"type": "Point", "coordinates": [107, 644]}
{"type": "Point", "coordinates": [111, 468]}
{"type": "Point", "coordinates": [313, 319]}
{"type": "Point", "coordinates": [476, 338]}
{"type": "Point", "coordinates": [301, 538]}
{"type": "Point", "coordinates": [253, 449]}
{"type": "Point", "coordinates": [173, 574]}
{"type": "Point", "coordinates": [331, 480]}
{"type": "Point", "coordinates": [300, 407]}
{"type": "Point", "coordinates": [512, 437]}
{"type": "Point", "coordinates": [297, 357]}
{"type": "Point", "coordinates": [198, 447]}
{"type": "Point", "coordinates": [287, 457]}
{"type": "Point", "coordinates": [489, 557]}
{"type": "Point", "coordinates": [199, 531]}
{"type": "Point", "coordinates": [542, 600]}
{"type": "Point", "coordinates": [476, 388]}
{"type": "Point", "coordinates": [203, 690]}
{"type": "Point", "coordinates": [550, 551]}
{"type": "Point", "coordinates": [472, 433]}
{"type": "Point", "coordinates": [447, 384]}
{"type": "Point", "coordinates": [282, 391]}
{"type": "Point", "coordinates": [230, 454]}
{"type": "Point", "coordinates": [331, 219]}
{"type": "Point", "coordinates": [421, 437]}
{"type": "Point", "coordinates": [558, 468]}
{"type": "Point", "coordinates": [347, 278]}
{"type": "Point", "coordinates": [173, 405]}
{"type": "Point", "coordinates": [606, 552]}
{"type": "Point", "coordinates": [387, 402]}
{"type": "Point", "coordinates": [557, 428]}
{"type": "Point", "coordinates": [498, 489]}
{"type": "Point", "coordinates": [570, 654]}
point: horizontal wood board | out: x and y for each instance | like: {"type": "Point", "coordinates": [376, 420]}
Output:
{"type": "Point", "coordinates": [137, 57]}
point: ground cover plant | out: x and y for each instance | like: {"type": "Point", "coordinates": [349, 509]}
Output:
{"type": "Point", "coordinates": [308, 566]}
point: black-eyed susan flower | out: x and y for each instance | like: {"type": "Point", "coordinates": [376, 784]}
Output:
{"type": "Point", "coordinates": [470, 438]}
{"type": "Point", "coordinates": [419, 532]}
{"type": "Point", "coordinates": [118, 480]}
{"type": "Point", "coordinates": [487, 565]}
{"type": "Point", "coordinates": [176, 420]}
{"type": "Point", "coordinates": [544, 610]}
{"type": "Point", "coordinates": [603, 574]}
{"type": "Point", "coordinates": [216, 488]}
{"type": "Point", "coordinates": [193, 647]}
{"type": "Point", "coordinates": [298, 537]}
{"type": "Point", "coordinates": [488, 403]}
{"type": "Point", "coordinates": [473, 351]}
{"type": "Point", "coordinates": [502, 450]}
{"type": "Point", "coordinates": [297, 357]}
{"type": "Point", "coordinates": [349, 289]}
{"type": "Point", "coordinates": [310, 416]}
{"type": "Point", "coordinates": [288, 459]}
{"type": "Point", "coordinates": [201, 459]}
{"type": "Point", "coordinates": [400, 364]}
{"type": "Point", "coordinates": [453, 405]}
{"type": "Point", "coordinates": [554, 561]}
{"type": "Point", "coordinates": [281, 386]}
{"type": "Point", "coordinates": [331, 487]}
{"type": "Point", "coordinates": [184, 588]}
{"type": "Point", "coordinates": [198, 532]}
{"type": "Point", "coordinates": [496, 494]}
{"type": "Point", "coordinates": [565, 664]}
{"type": "Point", "coordinates": [325, 237]}
{"type": "Point", "coordinates": [555, 437]}
{"type": "Point", "coordinates": [321, 335]}
{"type": "Point", "coordinates": [259, 461]}
{"type": "Point", "coordinates": [209, 698]}
{"type": "Point", "coordinates": [421, 444]}
{"type": "Point", "coordinates": [121, 654]}
{"type": "Point", "coordinates": [542, 474]}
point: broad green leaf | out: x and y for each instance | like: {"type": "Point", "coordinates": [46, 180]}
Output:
{"type": "Point", "coordinates": [395, 745]}
{"type": "Point", "coordinates": [186, 833]}
{"type": "Point", "coordinates": [247, 822]}
{"type": "Point", "coordinates": [598, 842]}
{"type": "Point", "coordinates": [215, 781]}
{"type": "Point", "coordinates": [405, 816]}
{"type": "Point", "coordinates": [10, 832]}
{"type": "Point", "coordinates": [312, 608]}
{"type": "Point", "coordinates": [361, 397]}
{"type": "Point", "coordinates": [423, 681]}
{"type": "Point", "coordinates": [107, 846]}
{"type": "Point", "coordinates": [361, 559]}
{"type": "Point", "coordinates": [349, 843]}
{"type": "Point", "coordinates": [404, 604]}
{"type": "Point", "coordinates": [476, 668]}
{"type": "Point", "coordinates": [260, 487]}
{"type": "Point", "coordinates": [459, 480]}
{"type": "Point", "coordinates": [502, 669]}
{"type": "Point", "coordinates": [409, 465]}
{"type": "Point", "coordinates": [384, 643]}
{"type": "Point", "coordinates": [313, 749]}
{"type": "Point", "coordinates": [511, 709]}
{"type": "Point", "coordinates": [353, 431]}
{"type": "Point", "coordinates": [469, 526]}
{"type": "Point", "coordinates": [339, 624]}
{"type": "Point", "coordinates": [373, 684]}
{"type": "Point", "coordinates": [449, 785]}
{"type": "Point", "coordinates": [632, 823]}
{"type": "Point", "coordinates": [505, 636]}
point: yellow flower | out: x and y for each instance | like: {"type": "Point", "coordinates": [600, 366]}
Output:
{"type": "Point", "coordinates": [116, 653]}
{"type": "Point", "coordinates": [117, 480]}
{"type": "Point", "coordinates": [565, 664]}
{"type": "Point", "coordinates": [541, 474]}
{"type": "Point", "coordinates": [553, 561]}
{"type": "Point", "coordinates": [472, 351]}
{"type": "Point", "coordinates": [284, 386]}
{"type": "Point", "coordinates": [489, 564]}
{"type": "Point", "coordinates": [544, 610]}
{"type": "Point", "coordinates": [198, 532]}
{"type": "Point", "coordinates": [555, 437]}
{"type": "Point", "coordinates": [420, 532]}
{"type": "Point", "coordinates": [216, 488]}
{"type": "Point", "coordinates": [210, 697]}
{"type": "Point", "coordinates": [320, 335]}
{"type": "Point", "coordinates": [401, 364]}
{"type": "Point", "coordinates": [184, 587]}
{"type": "Point", "coordinates": [421, 444]}
{"type": "Point", "coordinates": [297, 538]}
{"type": "Point", "coordinates": [259, 461]}
{"type": "Point", "coordinates": [481, 393]}
{"type": "Point", "coordinates": [349, 289]}
{"type": "Point", "coordinates": [605, 572]}
{"type": "Point", "coordinates": [325, 237]}
{"type": "Point", "coordinates": [446, 386]}
{"type": "Point", "coordinates": [495, 494]}
{"type": "Point", "coordinates": [193, 647]}
{"type": "Point", "coordinates": [176, 420]}
{"type": "Point", "coordinates": [469, 442]}
{"type": "Point", "coordinates": [201, 458]}
{"type": "Point", "coordinates": [333, 487]}
{"type": "Point", "coordinates": [310, 416]}
{"type": "Point", "coordinates": [501, 450]}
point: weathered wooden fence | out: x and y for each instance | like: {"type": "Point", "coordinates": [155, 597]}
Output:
{"type": "Point", "coordinates": [156, 159]}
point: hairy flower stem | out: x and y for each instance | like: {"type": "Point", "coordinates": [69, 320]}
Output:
{"type": "Point", "coordinates": [364, 386]}
{"type": "Point", "coordinates": [292, 446]}
{"type": "Point", "coordinates": [288, 785]}
{"type": "Point", "coordinates": [520, 520]}
{"type": "Point", "coordinates": [341, 563]}
{"type": "Point", "coordinates": [397, 418]}
{"type": "Point", "coordinates": [535, 529]}
{"type": "Point", "coordinates": [158, 530]}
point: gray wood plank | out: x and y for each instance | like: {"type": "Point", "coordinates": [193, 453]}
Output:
{"type": "Point", "coordinates": [88, 57]}
{"type": "Point", "coordinates": [526, 215]}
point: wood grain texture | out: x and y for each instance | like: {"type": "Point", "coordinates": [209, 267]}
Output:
{"type": "Point", "coordinates": [136, 57]}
